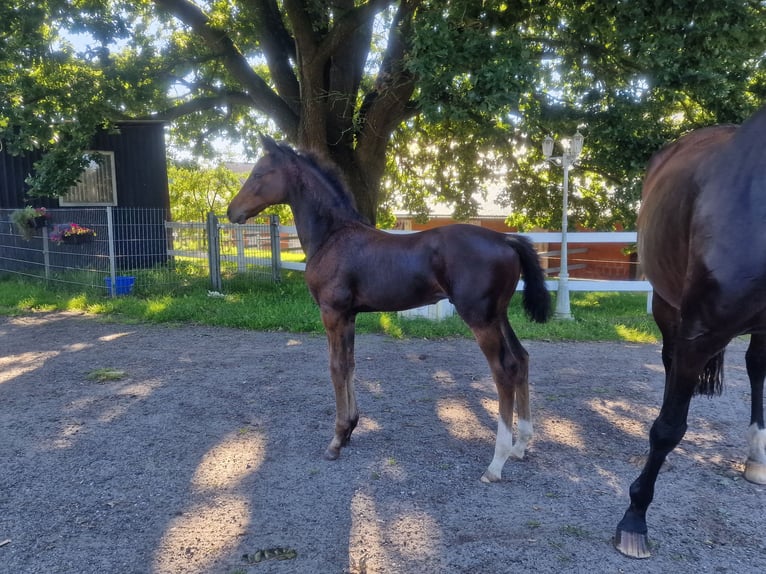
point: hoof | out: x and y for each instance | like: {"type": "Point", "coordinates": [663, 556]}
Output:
{"type": "Point", "coordinates": [489, 477]}
{"type": "Point", "coordinates": [755, 471]}
{"type": "Point", "coordinates": [331, 453]}
{"type": "Point", "coordinates": [517, 454]}
{"type": "Point", "coordinates": [632, 544]}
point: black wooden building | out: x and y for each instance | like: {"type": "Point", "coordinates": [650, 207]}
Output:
{"type": "Point", "coordinates": [139, 199]}
{"type": "Point", "coordinates": [139, 161]}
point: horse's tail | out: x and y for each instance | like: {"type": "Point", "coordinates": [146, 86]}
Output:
{"type": "Point", "coordinates": [536, 300]}
{"type": "Point", "coordinates": [710, 381]}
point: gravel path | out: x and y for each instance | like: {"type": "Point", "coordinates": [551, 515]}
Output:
{"type": "Point", "coordinates": [208, 449]}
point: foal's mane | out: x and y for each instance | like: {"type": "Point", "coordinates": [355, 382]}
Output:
{"type": "Point", "coordinates": [339, 199]}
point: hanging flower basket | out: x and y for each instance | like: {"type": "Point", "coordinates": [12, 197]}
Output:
{"type": "Point", "coordinates": [27, 219]}
{"type": "Point", "coordinates": [71, 233]}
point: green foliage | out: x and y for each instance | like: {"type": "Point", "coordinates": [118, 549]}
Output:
{"type": "Point", "coordinates": [415, 101]}
{"type": "Point", "coordinates": [195, 191]}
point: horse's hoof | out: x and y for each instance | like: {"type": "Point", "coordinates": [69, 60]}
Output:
{"type": "Point", "coordinates": [516, 454]}
{"type": "Point", "coordinates": [331, 453]}
{"type": "Point", "coordinates": [632, 544]}
{"type": "Point", "coordinates": [489, 477]}
{"type": "Point", "coordinates": [755, 471]}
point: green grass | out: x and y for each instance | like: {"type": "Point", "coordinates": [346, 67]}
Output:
{"type": "Point", "coordinates": [287, 306]}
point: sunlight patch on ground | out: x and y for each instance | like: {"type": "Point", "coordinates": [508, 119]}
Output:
{"type": "Point", "coordinates": [228, 463]}
{"type": "Point", "coordinates": [562, 431]}
{"type": "Point", "coordinates": [128, 396]}
{"type": "Point", "coordinates": [613, 481]}
{"type": "Point", "coordinates": [115, 336]}
{"type": "Point", "coordinates": [365, 540]}
{"type": "Point", "coordinates": [74, 347]}
{"type": "Point", "coordinates": [202, 535]}
{"type": "Point", "coordinates": [623, 415]}
{"type": "Point", "coordinates": [441, 376]}
{"type": "Point", "coordinates": [461, 422]}
{"type": "Point", "coordinates": [377, 539]}
{"type": "Point", "coordinates": [212, 529]}
{"type": "Point", "coordinates": [416, 535]}
{"type": "Point", "coordinates": [492, 407]}
{"type": "Point", "coordinates": [80, 415]}
{"type": "Point", "coordinates": [634, 335]}
{"type": "Point", "coordinates": [67, 435]}
{"type": "Point", "coordinates": [13, 366]}
{"type": "Point", "coordinates": [366, 425]}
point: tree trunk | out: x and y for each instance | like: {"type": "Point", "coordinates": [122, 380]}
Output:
{"type": "Point", "coordinates": [363, 179]}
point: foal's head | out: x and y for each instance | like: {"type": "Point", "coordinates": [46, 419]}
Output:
{"type": "Point", "coordinates": [265, 186]}
{"type": "Point", "coordinates": [282, 170]}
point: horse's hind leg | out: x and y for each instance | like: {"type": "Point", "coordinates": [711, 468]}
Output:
{"type": "Point", "coordinates": [755, 360]}
{"type": "Point", "coordinates": [340, 338]}
{"type": "Point", "coordinates": [509, 363]}
{"type": "Point", "coordinates": [524, 423]}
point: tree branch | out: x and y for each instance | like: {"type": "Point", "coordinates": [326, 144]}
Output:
{"type": "Point", "coordinates": [278, 48]}
{"type": "Point", "coordinates": [261, 95]}
{"type": "Point", "coordinates": [204, 103]}
{"type": "Point", "coordinates": [347, 25]}
{"type": "Point", "coordinates": [390, 103]}
{"type": "Point", "coordinates": [305, 37]}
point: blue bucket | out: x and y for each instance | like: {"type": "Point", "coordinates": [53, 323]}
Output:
{"type": "Point", "coordinates": [123, 284]}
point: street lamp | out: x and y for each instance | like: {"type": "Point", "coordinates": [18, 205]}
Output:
{"type": "Point", "coordinates": [567, 160]}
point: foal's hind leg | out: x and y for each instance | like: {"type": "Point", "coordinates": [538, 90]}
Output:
{"type": "Point", "coordinates": [755, 359]}
{"type": "Point", "coordinates": [509, 363]}
{"type": "Point", "coordinates": [340, 338]}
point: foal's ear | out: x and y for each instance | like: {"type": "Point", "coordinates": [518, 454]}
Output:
{"type": "Point", "coordinates": [269, 145]}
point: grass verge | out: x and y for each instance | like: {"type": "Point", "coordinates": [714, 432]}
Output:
{"type": "Point", "coordinates": [287, 306]}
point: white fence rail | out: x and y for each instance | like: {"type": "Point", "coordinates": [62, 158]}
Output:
{"type": "Point", "coordinates": [443, 309]}
{"type": "Point", "coordinates": [579, 237]}
{"type": "Point", "coordinates": [619, 237]}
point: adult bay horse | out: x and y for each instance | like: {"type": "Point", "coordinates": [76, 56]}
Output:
{"type": "Point", "coordinates": [702, 244]}
{"type": "Point", "coordinates": [351, 267]}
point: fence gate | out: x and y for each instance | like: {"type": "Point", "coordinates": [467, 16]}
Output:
{"type": "Point", "coordinates": [251, 249]}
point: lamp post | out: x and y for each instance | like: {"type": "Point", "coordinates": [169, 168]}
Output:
{"type": "Point", "coordinates": [567, 160]}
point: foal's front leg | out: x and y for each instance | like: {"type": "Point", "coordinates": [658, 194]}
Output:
{"type": "Point", "coordinates": [340, 338]}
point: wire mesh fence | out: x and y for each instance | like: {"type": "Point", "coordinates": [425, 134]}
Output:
{"type": "Point", "coordinates": [134, 250]}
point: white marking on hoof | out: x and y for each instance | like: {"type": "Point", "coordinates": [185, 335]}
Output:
{"type": "Point", "coordinates": [525, 434]}
{"type": "Point", "coordinates": [503, 449]}
{"type": "Point", "coordinates": [755, 472]}
{"type": "Point", "coordinates": [756, 439]}
{"type": "Point", "coordinates": [755, 467]}
{"type": "Point", "coordinates": [488, 477]}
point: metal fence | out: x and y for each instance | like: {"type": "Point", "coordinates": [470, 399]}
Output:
{"type": "Point", "coordinates": [142, 250]}
{"type": "Point", "coordinates": [125, 250]}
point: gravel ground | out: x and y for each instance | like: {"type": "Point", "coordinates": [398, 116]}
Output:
{"type": "Point", "coordinates": [207, 449]}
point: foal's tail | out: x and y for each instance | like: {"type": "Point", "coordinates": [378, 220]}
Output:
{"type": "Point", "coordinates": [537, 300]}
